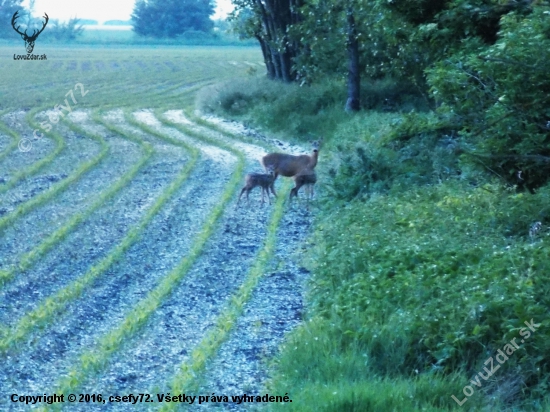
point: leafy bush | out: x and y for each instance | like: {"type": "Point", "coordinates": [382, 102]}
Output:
{"type": "Point", "coordinates": [302, 111]}
{"type": "Point", "coordinates": [389, 152]}
{"type": "Point", "coordinates": [497, 98]}
{"type": "Point", "coordinates": [436, 279]}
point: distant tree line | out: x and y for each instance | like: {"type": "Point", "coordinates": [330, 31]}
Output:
{"type": "Point", "coordinates": [54, 30]}
{"type": "Point", "coordinates": [171, 18]}
{"type": "Point", "coordinates": [7, 9]}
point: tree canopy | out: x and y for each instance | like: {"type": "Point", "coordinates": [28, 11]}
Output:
{"type": "Point", "coordinates": [482, 64]}
{"type": "Point", "coordinates": [170, 18]}
{"type": "Point", "coordinates": [7, 9]}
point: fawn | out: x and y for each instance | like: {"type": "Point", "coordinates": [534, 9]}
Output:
{"type": "Point", "coordinates": [290, 165]}
{"type": "Point", "coordinates": [305, 177]}
{"type": "Point", "coordinates": [265, 181]}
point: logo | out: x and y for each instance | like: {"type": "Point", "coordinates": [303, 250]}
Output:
{"type": "Point", "coordinates": [29, 40]}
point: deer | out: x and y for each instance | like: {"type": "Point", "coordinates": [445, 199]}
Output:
{"type": "Point", "coordinates": [290, 165]}
{"type": "Point", "coordinates": [29, 40]}
{"type": "Point", "coordinates": [306, 178]}
{"type": "Point", "coordinates": [265, 181]}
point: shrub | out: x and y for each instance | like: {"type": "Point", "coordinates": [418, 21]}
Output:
{"type": "Point", "coordinates": [437, 279]}
{"type": "Point", "coordinates": [497, 99]}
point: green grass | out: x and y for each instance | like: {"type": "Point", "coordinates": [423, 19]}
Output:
{"type": "Point", "coordinates": [57, 188]}
{"type": "Point", "coordinates": [113, 76]}
{"type": "Point", "coordinates": [423, 267]}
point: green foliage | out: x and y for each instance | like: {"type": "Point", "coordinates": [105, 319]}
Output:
{"type": "Point", "coordinates": [389, 151]}
{"type": "Point", "coordinates": [497, 97]}
{"type": "Point", "coordinates": [323, 35]}
{"type": "Point", "coordinates": [303, 111]}
{"type": "Point", "coordinates": [63, 31]}
{"type": "Point", "coordinates": [170, 18]}
{"type": "Point", "coordinates": [435, 279]}
{"type": "Point", "coordinates": [7, 9]}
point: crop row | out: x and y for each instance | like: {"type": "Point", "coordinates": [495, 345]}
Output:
{"type": "Point", "coordinates": [95, 359]}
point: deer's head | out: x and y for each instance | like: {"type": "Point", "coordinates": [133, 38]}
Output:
{"type": "Point", "coordinates": [29, 40]}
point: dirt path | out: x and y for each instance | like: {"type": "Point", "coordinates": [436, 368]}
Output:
{"type": "Point", "coordinates": [151, 355]}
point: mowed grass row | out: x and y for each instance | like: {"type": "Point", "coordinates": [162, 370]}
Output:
{"type": "Point", "coordinates": [32, 256]}
{"type": "Point", "coordinates": [14, 140]}
{"type": "Point", "coordinates": [164, 94]}
{"type": "Point", "coordinates": [35, 167]}
{"type": "Point", "coordinates": [188, 377]}
{"type": "Point", "coordinates": [164, 90]}
{"type": "Point", "coordinates": [96, 359]}
{"type": "Point", "coordinates": [58, 187]}
{"type": "Point", "coordinates": [106, 87]}
{"type": "Point", "coordinates": [113, 86]}
{"type": "Point", "coordinates": [141, 312]}
{"type": "Point", "coordinates": [54, 304]}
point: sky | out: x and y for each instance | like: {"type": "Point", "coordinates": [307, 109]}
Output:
{"type": "Point", "coordinates": [101, 10]}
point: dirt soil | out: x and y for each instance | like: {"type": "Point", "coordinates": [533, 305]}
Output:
{"type": "Point", "coordinates": [148, 361]}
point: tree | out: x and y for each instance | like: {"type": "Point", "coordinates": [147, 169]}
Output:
{"type": "Point", "coordinates": [269, 21]}
{"type": "Point", "coordinates": [170, 18]}
{"type": "Point", "coordinates": [7, 9]}
{"type": "Point", "coordinates": [343, 39]}
{"type": "Point", "coordinates": [497, 98]}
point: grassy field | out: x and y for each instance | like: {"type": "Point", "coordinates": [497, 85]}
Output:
{"type": "Point", "coordinates": [125, 265]}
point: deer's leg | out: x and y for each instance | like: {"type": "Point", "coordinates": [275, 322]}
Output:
{"type": "Point", "coordinates": [294, 190]}
{"type": "Point", "coordinates": [242, 191]}
{"type": "Point", "coordinates": [272, 185]}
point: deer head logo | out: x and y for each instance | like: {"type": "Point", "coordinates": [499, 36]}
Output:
{"type": "Point", "coordinates": [29, 40]}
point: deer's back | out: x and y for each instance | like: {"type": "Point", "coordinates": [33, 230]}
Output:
{"type": "Point", "coordinates": [259, 179]}
{"type": "Point", "coordinates": [285, 164]}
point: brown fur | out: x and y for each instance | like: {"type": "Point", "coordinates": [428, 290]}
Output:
{"type": "Point", "coordinates": [265, 181]}
{"type": "Point", "coordinates": [290, 165]}
{"type": "Point", "coordinates": [307, 178]}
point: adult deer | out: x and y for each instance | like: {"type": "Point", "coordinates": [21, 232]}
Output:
{"type": "Point", "coordinates": [290, 165]}
{"type": "Point", "coordinates": [29, 40]}
{"type": "Point", "coordinates": [265, 181]}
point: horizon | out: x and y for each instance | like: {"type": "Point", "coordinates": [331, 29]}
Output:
{"type": "Point", "coordinates": [102, 10]}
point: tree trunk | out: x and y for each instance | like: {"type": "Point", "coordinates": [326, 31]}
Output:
{"type": "Point", "coordinates": [267, 58]}
{"type": "Point", "coordinates": [276, 16]}
{"type": "Point", "coordinates": [354, 75]}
